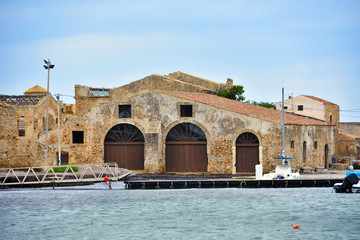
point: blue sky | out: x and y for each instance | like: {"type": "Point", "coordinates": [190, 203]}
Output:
{"type": "Point", "coordinates": [307, 47]}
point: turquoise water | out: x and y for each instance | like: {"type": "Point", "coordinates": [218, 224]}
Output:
{"type": "Point", "coordinates": [179, 214]}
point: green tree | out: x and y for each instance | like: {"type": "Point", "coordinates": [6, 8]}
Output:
{"type": "Point", "coordinates": [263, 104]}
{"type": "Point", "coordinates": [234, 93]}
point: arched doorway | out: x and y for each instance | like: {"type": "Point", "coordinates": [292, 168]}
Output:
{"type": "Point", "coordinates": [124, 144]}
{"type": "Point", "coordinates": [186, 149]}
{"type": "Point", "coordinates": [247, 152]}
{"type": "Point", "coordinates": [326, 156]}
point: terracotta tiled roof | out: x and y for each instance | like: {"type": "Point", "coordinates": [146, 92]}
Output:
{"type": "Point", "coordinates": [247, 109]}
{"type": "Point", "coordinates": [318, 99]}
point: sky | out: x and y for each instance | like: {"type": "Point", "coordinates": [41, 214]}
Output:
{"type": "Point", "coordinates": [305, 46]}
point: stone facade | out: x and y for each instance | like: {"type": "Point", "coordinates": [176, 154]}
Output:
{"type": "Point", "coordinates": [24, 148]}
{"type": "Point", "coordinates": [156, 102]}
{"type": "Point", "coordinates": [351, 128]}
{"type": "Point", "coordinates": [347, 136]}
{"type": "Point", "coordinates": [313, 107]}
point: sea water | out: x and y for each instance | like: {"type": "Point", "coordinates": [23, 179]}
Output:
{"type": "Point", "coordinates": [231, 213]}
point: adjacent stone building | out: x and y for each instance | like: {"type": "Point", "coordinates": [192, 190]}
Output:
{"type": "Point", "coordinates": [347, 138]}
{"type": "Point", "coordinates": [22, 123]}
{"type": "Point", "coordinates": [176, 124]}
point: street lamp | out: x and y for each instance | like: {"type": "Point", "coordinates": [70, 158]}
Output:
{"type": "Point", "coordinates": [48, 66]}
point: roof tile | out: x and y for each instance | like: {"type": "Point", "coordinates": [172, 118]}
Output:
{"type": "Point", "coordinates": [247, 109]}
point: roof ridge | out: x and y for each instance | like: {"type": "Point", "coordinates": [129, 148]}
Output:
{"type": "Point", "coordinates": [318, 99]}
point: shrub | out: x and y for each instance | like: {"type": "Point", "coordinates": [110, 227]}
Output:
{"type": "Point", "coordinates": [62, 168]}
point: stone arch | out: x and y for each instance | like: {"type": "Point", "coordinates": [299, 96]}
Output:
{"type": "Point", "coordinates": [235, 136]}
{"type": "Point", "coordinates": [186, 148]}
{"type": "Point", "coordinates": [124, 144]}
{"type": "Point", "coordinates": [173, 124]}
{"type": "Point", "coordinates": [107, 129]}
{"type": "Point", "coordinates": [247, 152]}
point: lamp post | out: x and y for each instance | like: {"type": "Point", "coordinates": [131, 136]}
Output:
{"type": "Point", "coordinates": [48, 66]}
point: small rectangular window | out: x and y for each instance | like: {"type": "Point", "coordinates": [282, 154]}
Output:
{"type": "Point", "coordinates": [285, 107]}
{"type": "Point", "coordinates": [186, 110]}
{"type": "Point", "coordinates": [124, 111]}
{"type": "Point", "coordinates": [300, 107]}
{"type": "Point", "coordinates": [21, 127]}
{"type": "Point", "coordinates": [78, 136]}
{"type": "Point", "coordinates": [68, 109]}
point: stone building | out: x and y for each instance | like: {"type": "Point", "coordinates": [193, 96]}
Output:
{"type": "Point", "coordinates": [22, 123]}
{"type": "Point", "coordinates": [313, 107]}
{"type": "Point", "coordinates": [175, 123]}
{"type": "Point", "coordinates": [347, 143]}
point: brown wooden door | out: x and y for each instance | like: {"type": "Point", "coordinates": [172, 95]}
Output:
{"type": "Point", "coordinates": [126, 155]}
{"type": "Point", "coordinates": [247, 156]}
{"type": "Point", "coordinates": [186, 149]}
{"type": "Point", "coordinates": [247, 152]}
{"type": "Point", "coordinates": [186, 157]}
{"type": "Point", "coordinates": [64, 158]}
{"type": "Point", "coordinates": [124, 144]}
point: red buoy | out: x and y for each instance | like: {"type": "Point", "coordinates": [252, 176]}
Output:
{"type": "Point", "coordinates": [106, 179]}
{"type": "Point", "coordinates": [295, 226]}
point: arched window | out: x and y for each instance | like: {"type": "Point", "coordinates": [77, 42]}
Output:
{"type": "Point", "coordinates": [331, 118]}
{"type": "Point", "coordinates": [186, 132]}
{"type": "Point", "coordinates": [247, 138]}
{"type": "Point", "coordinates": [124, 133]}
{"type": "Point", "coordinates": [124, 144]}
{"type": "Point", "coordinates": [304, 151]}
{"type": "Point", "coordinates": [315, 145]}
{"type": "Point", "coordinates": [292, 144]}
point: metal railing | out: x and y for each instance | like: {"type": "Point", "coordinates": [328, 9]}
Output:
{"type": "Point", "coordinates": [70, 174]}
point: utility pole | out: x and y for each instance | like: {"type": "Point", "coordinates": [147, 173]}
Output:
{"type": "Point", "coordinates": [59, 150]}
{"type": "Point", "coordinates": [48, 66]}
{"type": "Point", "coordinates": [283, 128]}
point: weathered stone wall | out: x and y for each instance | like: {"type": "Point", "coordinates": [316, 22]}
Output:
{"type": "Point", "coordinates": [83, 104]}
{"type": "Point", "coordinates": [213, 86]}
{"type": "Point", "coordinates": [150, 84]}
{"type": "Point", "coordinates": [350, 127]}
{"type": "Point", "coordinates": [28, 150]}
{"type": "Point", "coordinates": [332, 115]}
{"type": "Point", "coordinates": [156, 113]}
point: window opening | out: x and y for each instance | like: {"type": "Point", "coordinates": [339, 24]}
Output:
{"type": "Point", "coordinates": [186, 110]}
{"type": "Point", "coordinates": [125, 111]}
{"type": "Point", "coordinates": [124, 133]}
{"type": "Point", "coordinates": [300, 107]}
{"type": "Point", "coordinates": [78, 136]}
{"type": "Point", "coordinates": [21, 127]}
{"type": "Point", "coordinates": [186, 132]}
{"type": "Point", "coordinates": [247, 138]}
{"type": "Point", "coordinates": [304, 151]}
